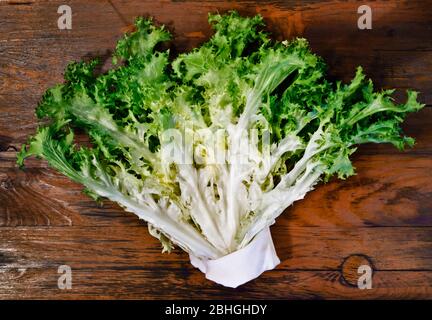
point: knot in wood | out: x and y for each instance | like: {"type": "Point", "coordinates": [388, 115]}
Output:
{"type": "Point", "coordinates": [350, 267]}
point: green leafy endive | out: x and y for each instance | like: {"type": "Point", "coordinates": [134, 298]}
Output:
{"type": "Point", "coordinates": [282, 127]}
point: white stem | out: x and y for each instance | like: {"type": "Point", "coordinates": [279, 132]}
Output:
{"type": "Point", "coordinates": [206, 219]}
{"type": "Point", "coordinates": [276, 201]}
{"type": "Point", "coordinates": [180, 232]}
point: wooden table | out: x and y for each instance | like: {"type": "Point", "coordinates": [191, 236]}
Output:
{"type": "Point", "coordinates": [381, 217]}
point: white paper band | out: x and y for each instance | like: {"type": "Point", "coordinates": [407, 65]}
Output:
{"type": "Point", "coordinates": [242, 265]}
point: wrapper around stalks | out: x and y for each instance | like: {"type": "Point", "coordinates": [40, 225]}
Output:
{"type": "Point", "coordinates": [242, 265]}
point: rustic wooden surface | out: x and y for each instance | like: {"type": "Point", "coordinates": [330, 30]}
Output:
{"type": "Point", "coordinates": [382, 216]}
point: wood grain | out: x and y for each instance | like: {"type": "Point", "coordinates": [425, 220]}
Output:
{"type": "Point", "coordinates": [382, 216]}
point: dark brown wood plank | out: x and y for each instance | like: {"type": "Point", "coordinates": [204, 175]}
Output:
{"type": "Point", "coordinates": [305, 248]}
{"type": "Point", "coordinates": [112, 259]}
{"type": "Point", "coordinates": [119, 283]}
